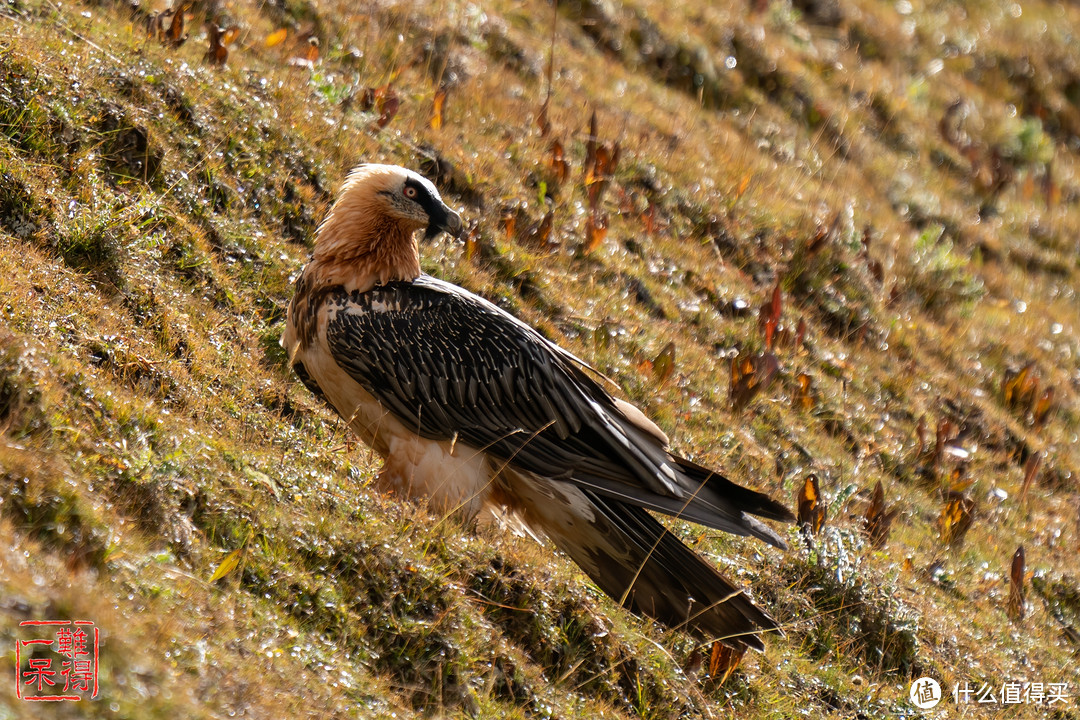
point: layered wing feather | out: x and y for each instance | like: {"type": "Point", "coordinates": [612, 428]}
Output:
{"type": "Point", "coordinates": [451, 365]}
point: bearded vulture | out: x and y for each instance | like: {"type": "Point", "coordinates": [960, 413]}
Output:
{"type": "Point", "coordinates": [480, 414]}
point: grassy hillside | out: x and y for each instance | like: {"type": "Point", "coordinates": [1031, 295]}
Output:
{"type": "Point", "coordinates": [905, 174]}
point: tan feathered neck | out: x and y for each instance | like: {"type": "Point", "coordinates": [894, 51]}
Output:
{"type": "Point", "coordinates": [360, 244]}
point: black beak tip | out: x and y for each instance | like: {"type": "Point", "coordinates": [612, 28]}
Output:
{"type": "Point", "coordinates": [454, 225]}
{"type": "Point", "coordinates": [450, 223]}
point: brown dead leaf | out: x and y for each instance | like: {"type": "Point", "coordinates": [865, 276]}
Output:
{"type": "Point", "coordinates": [921, 434]}
{"type": "Point", "coordinates": [543, 234]}
{"type": "Point", "coordinates": [538, 235]}
{"type": "Point", "coordinates": [558, 162]}
{"type": "Point", "coordinates": [437, 109]}
{"type": "Point", "coordinates": [175, 35]}
{"type": "Point", "coordinates": [596, 226]}
{"type": "Point", "coordinates": [743, 185]}
{"type": "Point", "coordinates": [942, 436]}
{"type": "Point", "coordinates": [811, 505]}
{"type": "Point", "coordinates": [1017, 607]}
{"type": "Point", "coordinates": [472, 239]}
{"type": "Point", "coordinates": [600, 163]}
{"type": "Point", "coordinates": [509, 220]}
{"type": "Point", "coordinates": [822, 234]}
{"type": "Point", "coordinates": [172, 34]}
{"type": "Point", "coordinates": [956, 517]}
{"type": "Point", "coordinates": [367, 100]}
{"type": "Point", "coordinates": [877, 522]}
{"type": "Point", "coordinates": [1019, 387]}
{"type": "Point", "coordinates": [959, 480]}
{"type": "Point", "coordinates": [649, 219]}
{"type": "Point", "coordinates": [749, 376]}
{"type": "Point", "coordinates": [216, 53]}
{"type": "Point", "coordinates": [1051, 190]}
{"type": "Point", "coordinates": [383, 100]}
{"type": "Point", "coordinates": [804, 398]}
{"type": "Point", "coordinates": [769, 316]}
{"type": "Point", "coordinates": [1031, 469]}
{"type": "Point", "coordinates": [663, 367]}
{"type": "Point", "coordinates": [276, 38]}
{"type": "Point", "coordinates": [153, 25]}
{"type": "Point", "coordinates": [387, 106]}
{"type": "Point", "coordinates": [723, 661]}
{"type": "Point", "coordinates": [1020, 393]}
{"type": "Point", "coordinates": [607, 159]}
{"type": "Point", "coordinates": [1043, 408]}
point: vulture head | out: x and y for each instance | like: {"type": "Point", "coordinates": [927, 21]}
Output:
{"type": "Point", "coordinates": [376, 214]}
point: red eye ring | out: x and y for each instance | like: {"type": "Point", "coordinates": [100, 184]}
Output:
{"type": "Point", "coordinates": [410, 192]}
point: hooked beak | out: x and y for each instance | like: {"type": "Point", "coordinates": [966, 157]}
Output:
{"type": "Point", "coordinates": [443, 219]}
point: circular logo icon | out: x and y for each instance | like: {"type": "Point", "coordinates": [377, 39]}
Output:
{"type": "Point", "coordinates": [925, 693]}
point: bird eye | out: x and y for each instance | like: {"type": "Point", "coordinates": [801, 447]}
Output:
{"type": "Point", "coordinates": [410, 192]}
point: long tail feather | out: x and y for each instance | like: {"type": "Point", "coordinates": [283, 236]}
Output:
{"type": "Point", "coordinates": [638, 562]}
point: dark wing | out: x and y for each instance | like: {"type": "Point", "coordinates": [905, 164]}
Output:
{"type": "Point", "coordinates": [452, 365]}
